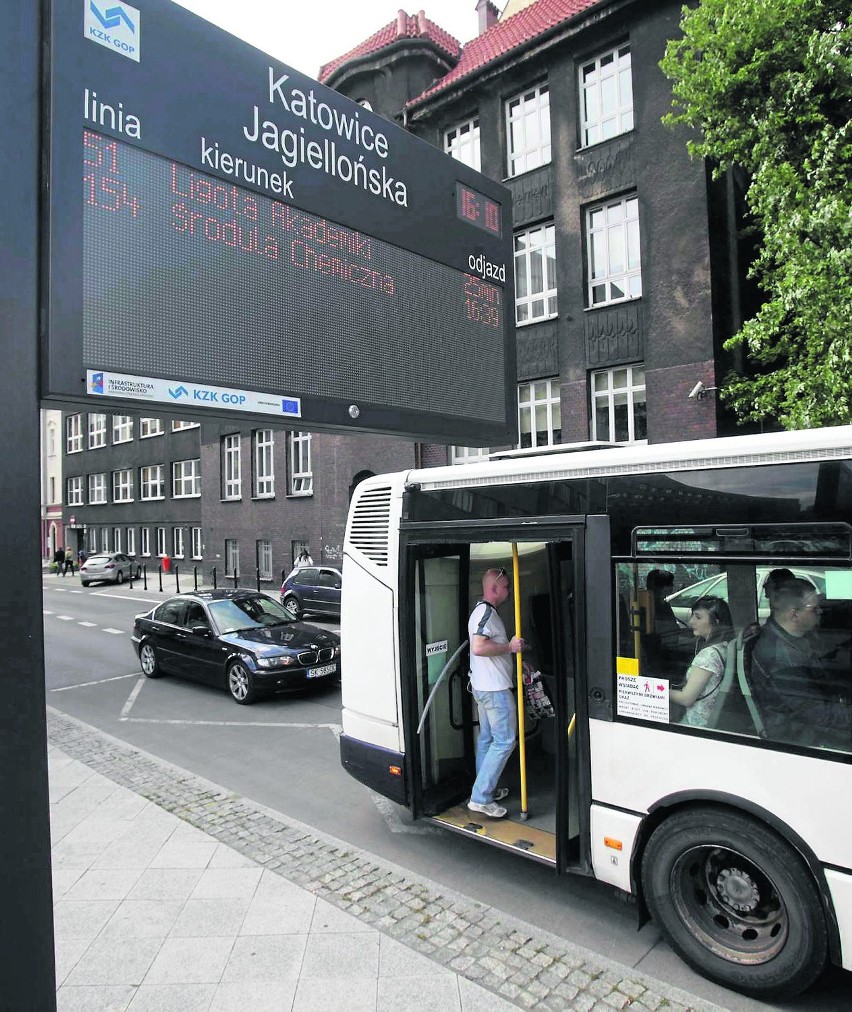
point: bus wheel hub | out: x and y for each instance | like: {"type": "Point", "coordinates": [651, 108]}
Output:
{"type": "Point", "coordinates": [737, 889]}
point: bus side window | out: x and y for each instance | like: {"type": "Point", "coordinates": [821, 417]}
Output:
{"type": "Point", "coordinates": [799, 678]}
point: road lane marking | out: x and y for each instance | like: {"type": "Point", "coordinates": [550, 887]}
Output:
{"type": "Point", "coordinates": [65, 618]}
{"type": "Point", "coordinates": [336, 729]}
{"type": "Point", "coordinates": [115, 632]}
{"type": "Point", "coordinates": [131, 699]}
{"type": "Point", "coordinates": [127, 597]}
{"type": "Point", "coordinates": [89, 625]}
{"type": "Point", "coordinates": [99, 681]}
{"type": "Point", "coordinates": [47, 612]}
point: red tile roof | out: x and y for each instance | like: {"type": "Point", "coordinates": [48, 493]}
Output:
{"type": "Point", "coordinates": [505, 36]}
{"type": "Point", "coordinates": [405, 26]}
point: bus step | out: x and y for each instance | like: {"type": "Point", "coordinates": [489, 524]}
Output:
{"type": "Point", "coordinates": [506, 833]}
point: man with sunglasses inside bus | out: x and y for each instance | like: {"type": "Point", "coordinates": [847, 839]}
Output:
{"type": "Point", "coordinates": [491, 679]}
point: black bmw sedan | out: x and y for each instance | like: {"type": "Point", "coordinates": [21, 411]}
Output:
{"type": "Point", "coordinates": [240, 640]}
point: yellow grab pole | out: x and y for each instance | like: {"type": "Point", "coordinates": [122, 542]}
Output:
{"type": "Point", "coordinates": [519, 668]}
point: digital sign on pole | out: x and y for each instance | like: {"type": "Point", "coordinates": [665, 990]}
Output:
{"type": "Point", "coordinates": [227, 235]}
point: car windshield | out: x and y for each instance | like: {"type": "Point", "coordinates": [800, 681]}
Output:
{"type": "Point", "coordinates": [237, 614]}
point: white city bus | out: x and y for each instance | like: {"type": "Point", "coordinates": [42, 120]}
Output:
{"type": "Point", "coordinates": [734, 832]}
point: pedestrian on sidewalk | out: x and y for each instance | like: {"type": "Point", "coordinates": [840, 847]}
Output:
{"type": "Point", "coordinates": [69, 562]}
{"type": "Point", "coordinates": [59, 561]}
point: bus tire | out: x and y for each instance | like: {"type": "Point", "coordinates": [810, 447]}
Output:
{"type": "Point", "coordinates": [736, 902]}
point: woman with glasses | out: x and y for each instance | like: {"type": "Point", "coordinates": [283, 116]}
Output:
{"type": "Point", "coordinates": [711, 626]}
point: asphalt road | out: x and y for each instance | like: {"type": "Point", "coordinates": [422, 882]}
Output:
{"type": "Point", "coordinates": [283, 753]}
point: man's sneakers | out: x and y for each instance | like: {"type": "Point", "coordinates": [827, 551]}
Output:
{"type": "Point", "coordinates": [492, 808]}
{"type": "Point", "coordinates": [500, 793]}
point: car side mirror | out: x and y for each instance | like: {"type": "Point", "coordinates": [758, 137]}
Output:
{"type": "Point", "coordinates": [200, 630]}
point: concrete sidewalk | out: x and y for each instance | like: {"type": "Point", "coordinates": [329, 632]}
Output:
{"type": "Point", "coordinates": [172, 893]}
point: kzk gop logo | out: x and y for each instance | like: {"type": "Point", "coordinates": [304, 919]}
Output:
{"type": "Point", "coordinates": [112, 24]}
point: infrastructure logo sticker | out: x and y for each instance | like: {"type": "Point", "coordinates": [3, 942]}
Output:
{"type": "Point", "coordinates": [97, 383]}
{"type": "Point", "coordinates": [114, 25]}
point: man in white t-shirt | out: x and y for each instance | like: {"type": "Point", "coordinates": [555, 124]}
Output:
{"type": "Point", "coordinates": [491, 680]}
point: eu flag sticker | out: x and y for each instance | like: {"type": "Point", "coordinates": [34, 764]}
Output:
{"type": "Point", "coordinates": [291, 406]}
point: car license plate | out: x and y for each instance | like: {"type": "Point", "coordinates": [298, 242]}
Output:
{"type": "Point", "coordinates": [326, 669]}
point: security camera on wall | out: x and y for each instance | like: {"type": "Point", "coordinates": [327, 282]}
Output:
{"type": "Point", "coordinates": [698, 391]}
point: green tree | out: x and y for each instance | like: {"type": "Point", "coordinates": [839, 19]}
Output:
{"type": "Point", "coordinates": [767, 85]}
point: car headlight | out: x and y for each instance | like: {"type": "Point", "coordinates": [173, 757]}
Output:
{"type": "Point", "coordinates": [281, 661]}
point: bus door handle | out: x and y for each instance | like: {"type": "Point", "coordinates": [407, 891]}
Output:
{"type": "Point", "coordinates": [456, 725]}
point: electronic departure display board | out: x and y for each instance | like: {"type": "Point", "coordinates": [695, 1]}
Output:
{"type": "Point", "coordinates": [228, 236]}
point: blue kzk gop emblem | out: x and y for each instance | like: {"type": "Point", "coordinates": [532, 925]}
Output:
{"type": "Point", "coordinates": [114, 25]}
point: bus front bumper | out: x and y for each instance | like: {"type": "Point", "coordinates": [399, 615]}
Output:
{"type": "Point", "coordinates": [380, 769]}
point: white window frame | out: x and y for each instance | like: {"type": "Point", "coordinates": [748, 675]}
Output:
{"type": "Point", "coordinates": [149, 427]}
{"type": "Point", "coordinates": [186, 479]}
{"type": "Point", "coordinates": [613, 252]}
{"type": "Point", "coordinates": [130, 536]}
{"type": "Point", "coordinates": [122, 485]}
{"type": "Point", "coordinates": [97, 489]}
{"type": "Point", "coordinates": [528, 143]}
{"type": "Point", "coordinates": [160, 535]}
{"type": "Point", "coordinates": [105, 539]}
{"type": "Point", "coordinates": [535, 274]}
{"type": "Point", "coordinates": [195, 542]}
{"type": "Point", "coordinates": [462, 143]}
{"type": "Point", "coordinates": [609, 74]}
{"type": "Point", "coordinates": [232, 482]}
{"type": "Point", "coordinates": [264, 558]}
{"type": "Point", "coordinates": [232, 557]}
{"type": "Point", "coordinates": [116, 539]}
{"type": "Point", "coordinates": [151, 482]}
{"type": "Point", "coordinates": [97, 430]}
{"type": "Point", "coordinates": [74, 434]}
{"type": "Point", "coordinates": [468, 454]}
{"type": "Point", "coordinates": [300, 475]}
{"type": "Point", "coordinates": [74, 491]}
{"type": "Point", "coordinates": [177, 542]}
{"type": "Point", "coordinates": [629, 390]}
{"type": "Point", "coordinates": [536, 399]}
{"type": "Point", "coordinates": [145, 541]}
{"type": "Point", "coordinates": [263, 466]}
{"type": "Point", "coordinates": [179, 424]}
{"type": "Point", "coordinates": [122, 428]}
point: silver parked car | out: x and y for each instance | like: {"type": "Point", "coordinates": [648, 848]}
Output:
{"type": "Point", "coordinates": [110, 567]}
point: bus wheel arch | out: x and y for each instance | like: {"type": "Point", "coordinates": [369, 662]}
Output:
{"type": "Point", "coordinates": [735, 897]}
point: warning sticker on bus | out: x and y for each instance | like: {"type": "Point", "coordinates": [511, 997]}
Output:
{"type": "Point", "coordinates": [643, 697]}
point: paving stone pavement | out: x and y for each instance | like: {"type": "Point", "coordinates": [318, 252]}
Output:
{"type": "Point", "coordinates": [476, 948]}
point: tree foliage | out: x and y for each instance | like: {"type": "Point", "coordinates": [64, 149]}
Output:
{"type": "Point", "coordinates": [767, 85]}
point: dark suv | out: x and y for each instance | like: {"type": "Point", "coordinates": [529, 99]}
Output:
{"type": "Point", "coordinates": [313, 589]}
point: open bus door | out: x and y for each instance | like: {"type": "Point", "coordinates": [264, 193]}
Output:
{"type": "Point", "coordinates": [443, 581]}
{"type": "Point", "coordinates": [443, 743]}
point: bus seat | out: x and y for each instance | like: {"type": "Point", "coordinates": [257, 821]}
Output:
{"type": "Point", "coordinates": [725, 685]}
{"type": "Point", "coordinates": [745, 642]}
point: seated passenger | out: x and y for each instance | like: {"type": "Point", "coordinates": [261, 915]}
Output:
{"type": "Point", "coordinates": [710, 622]}
{"type": "Point", "coordinates": [793, 691]}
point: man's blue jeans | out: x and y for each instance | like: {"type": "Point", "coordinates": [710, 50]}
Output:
{"type": "Point", "coordinates": [497, 737]}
